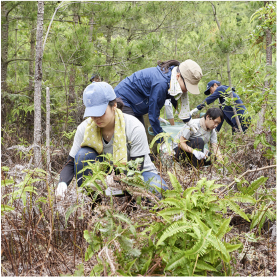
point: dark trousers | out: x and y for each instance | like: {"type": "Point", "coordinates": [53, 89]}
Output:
{"type": "Point", "coordinates": [244, 126]}
{"type": "Point", "coordinates": [83, 155]}
{"type": "Point", "coordinates": [195, 143]}
{"type": "Point", "coordinates": [129, 110]}
{"type": "Point", "coordinates": [89, 154]}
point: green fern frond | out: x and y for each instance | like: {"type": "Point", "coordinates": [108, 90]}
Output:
{"type": "Point", "coordinates": [232, 247]}
{"type": "Point", "coordinates": [202, 225]}
{"type": "Point", "coordinates": [128, 221]}
{"type": "Point", "coordinates": [178, 260]}
{"type": "Point", "coordinates": [211, 221]}
{"type": "Point", "coordinates": [261, 215]}
{"type": "Point", "coordinates": [147, 264]}
{"type": "Point", "coordinates": [218, 245]}
{"type": "Point", "coordinates": [171, 194]}
{"type": "Point", "coordinates": [270, 215]}
{"type": "Point", "coordinates": [193, 235]}
{"type": "Point", "coordinates": [236, 208]}
{"type": "Point", "coordinates": [70, 210]}
{"type": "Point", "coordinates": [216, 186]}
{"type": "Point", "coordinates": [176, 185]}
{"type": "Point", "coordinates": [153, 229]}
{"type": "Point", "coordinates": [189, 191]}
{"type": "Point", "coordinates": [223, 228]}
{"type": "Point", "coordinates": [255, 184]}
{"type": "Point", "coordinates": [209, 184]}
{"type": "Point", "coordinates": [173, 202]}
{"type": "Point", "coordinates": [173, 229]}
{"type": "Point", "coordinates": [125, 243]}
{"type": "Point", "coordinates": [210, 199]}
{"type": "Point", "coordinates": [204, 266]}
{"type": "Point", "coordinates": [201, 183]}
{"type": "Point", "coordinates": [171, 211]}
{"type": "Point", "coordinates": [242, 198]}
{"type": "Point", "coordinates": [201, 246]}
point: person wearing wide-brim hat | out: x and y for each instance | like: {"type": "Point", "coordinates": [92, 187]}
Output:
{"type": "Point", "coordinates": [107, 130]}
{"type": "Point", "coordinates": [217, 91]}
{"type": "Point", "coordinates": [146, 90]}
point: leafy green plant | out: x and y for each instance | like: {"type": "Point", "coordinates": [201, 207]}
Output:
{"type": "Point", "coordinates": [266, 17]}
{"type": "Point", "coordinates": [191, 234]}
{"type": "Point", "coordinates": [264, 208]}
{"type": "Point", "coordinates": [187, 236]}
{"type": "Point", "coordinates": [23, 189]}
{"type": "Point", "coordinates": [110, 238]}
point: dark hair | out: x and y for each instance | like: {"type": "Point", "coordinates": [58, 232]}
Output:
{"type": "Point", "coordinates": [95, 76]}
{"type": "Point", "coordinates": [165, 65]}
{"type": "Point", "coordinates": [214, 113]}
{"type": "Point", "coordinates": [178, 71]}
{"type": "Point", "coordinates": [119, 102]}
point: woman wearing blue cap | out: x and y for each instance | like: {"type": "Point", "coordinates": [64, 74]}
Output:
{"type": "Point", "coordinates": [146, 90]}
{"type": "Point", "coordinates": [106, 130]}
{"type": "Point", "coordinates": [217, 91]}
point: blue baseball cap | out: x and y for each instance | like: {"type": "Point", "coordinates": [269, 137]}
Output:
{"type": "Point", "coordinates": [209, 85]}
{"type": "Point", "coordinates": [96, 98]}
{"type": "Point", "coordinates": [93, 76]}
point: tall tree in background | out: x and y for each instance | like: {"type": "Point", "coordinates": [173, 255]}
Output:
{"type": "Point", "coordinates": [228, 68]}
{"type": "Point", "coordinates": [115, 39]}
{"type": "Point", "coordinates": [265, 31]}
{"type": "Point", "coordinates": [38, 80]}
{"type": "Point", "coordinates": [6, 9]}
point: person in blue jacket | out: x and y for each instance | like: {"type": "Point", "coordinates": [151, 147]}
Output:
{"type": "Point", "coordinates": [217, 91]}
{"type": "Point", "coordinates": [146, 90]}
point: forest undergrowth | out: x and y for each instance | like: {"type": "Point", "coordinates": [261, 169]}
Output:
{"type": "Point", "coordinates": [222, 221]}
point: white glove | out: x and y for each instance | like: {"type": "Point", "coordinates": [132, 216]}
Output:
{"type": "Point", "coordinates": [109, 181]}
{"type": "Point", "coordinates": [193, 111]}
{"type": "Point", "coordinates": [164, 121]}
{"type": "Point", "coordinates": [192, 126]}
{"type": "Point", "coordinates": [199, 155]}
{"type": "Point", "coordinates": [206, 151]}
{"type": "Point", "coordinates": [61, 190]}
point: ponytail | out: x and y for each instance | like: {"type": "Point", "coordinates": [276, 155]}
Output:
{"type": "Point", "coordinates": [165, 65]}
{"type": "Point", "coordinates": [119, 103]}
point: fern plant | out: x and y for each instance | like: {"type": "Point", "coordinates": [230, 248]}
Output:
{"type": "Point", "coordinates": [265, 208]}
{"type": "Point", "coordinates": [187, 235]}
{"type": "Point", "coordinates": [190, 239]}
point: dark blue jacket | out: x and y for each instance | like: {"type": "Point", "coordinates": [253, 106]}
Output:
{"type": "Point", "coordinates": [145, 91]}
{"type": "Point", "coordinates": [220, 94]}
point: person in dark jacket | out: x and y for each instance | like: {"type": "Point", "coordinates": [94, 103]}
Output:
{"type": "Point", "coordinates": [146, 90]}
{"type": "Point", "coordinates": [217, 91]}
{"type": "Point", "coordinates": [95, 77]}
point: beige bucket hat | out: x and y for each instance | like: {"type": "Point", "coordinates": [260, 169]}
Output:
{"type": "Point", "coordinates": [192, 74]}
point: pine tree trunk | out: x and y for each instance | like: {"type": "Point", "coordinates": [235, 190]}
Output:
{"type": "Point", "coordinates": [72, 73]}
{"type": "Point", "coordinates": [32, 56]}
{"type": "Point", "coordinates": [15, 54]}
{"type": "Point", "coordinates": [90, 29]}
{"type": "Point", "coordinates": [266, 84]}
{"type": "Point", "coordinates": [4, 46]}
{"type": "Point", "coordinates": [108, 58]}
{"type": "Point", "coordinates": [38, 79]}
{"type": "Point", "coordinates": [48, 134]}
